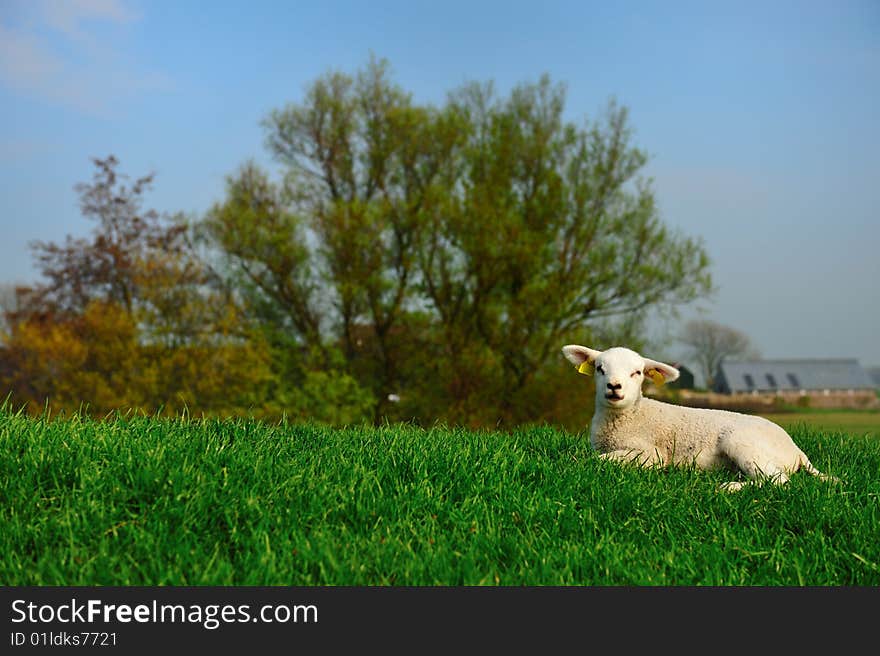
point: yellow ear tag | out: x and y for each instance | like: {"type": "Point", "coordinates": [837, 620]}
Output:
{"type": "Point", "coordinates": [586, 368]}
{"type": "Point", "coordinates": [656, 377]}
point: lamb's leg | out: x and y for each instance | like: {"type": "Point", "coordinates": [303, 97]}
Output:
{"type": "Point", "coordinates": [757, 468]}
{"type": "Point", "coordinates": [808, 467]}
{"type": "Point", "coordinates": [642, 458]}
{"type": "Point", "coordinates": [779, 478]}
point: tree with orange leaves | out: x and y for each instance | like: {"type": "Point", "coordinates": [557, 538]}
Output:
{"type": "Point", "coordinates": [129, 318]}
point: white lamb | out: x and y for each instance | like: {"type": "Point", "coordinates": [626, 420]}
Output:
{"type": "Point", "coordinates": [628, 427]}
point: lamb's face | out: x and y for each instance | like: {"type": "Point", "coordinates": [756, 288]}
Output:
{"type": "Point", "coordinates": [619, 375]}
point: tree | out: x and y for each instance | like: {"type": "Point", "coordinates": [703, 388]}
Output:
{"type": "Point", "coordinates": [455, 247]}
{"type": "Point", "coordinates": [265, 256]}
{"type": "Point", "coordinates": [709, 343]}
{"type": "Point", "coordinates": [335, 265]}
{"type": "Point", "coordinates": [130, 318]}
{"type": "Point", "coordinates": [75, 360]}
{"type": "Point", "coordinates": [362, 164]}
{"type": "Point", "coordinates": [551, 232]}
{"type": "Point", "coordinates": [126, 240]}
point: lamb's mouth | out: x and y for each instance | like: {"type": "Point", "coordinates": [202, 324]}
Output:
{"type": "Point", "coordinates": [613, 397]}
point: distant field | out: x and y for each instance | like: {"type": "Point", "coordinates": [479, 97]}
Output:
{"type": "Point", "coordinates": [852, 422]}
{"type": "Point", "coordinates": [143, 501]}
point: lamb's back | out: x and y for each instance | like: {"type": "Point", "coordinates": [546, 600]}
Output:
{"type": "Point", "coordinates": [679, 434]}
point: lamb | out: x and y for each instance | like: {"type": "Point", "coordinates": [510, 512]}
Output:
{"type": "Point", "coordinates": [628, 427]}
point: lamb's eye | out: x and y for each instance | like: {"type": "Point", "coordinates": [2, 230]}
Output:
{"type": "Point", "coordinates": [635, 373]}
{"type": "Point", "coordinates": [600, 369]}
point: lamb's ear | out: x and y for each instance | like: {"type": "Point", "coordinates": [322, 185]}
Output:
{"type": "Point", "coordinates": [660, 372]}
{"type": "Point", "coordinates": [581, 357]}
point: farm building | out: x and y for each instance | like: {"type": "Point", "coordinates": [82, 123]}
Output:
{"type": "Point", "coordinates": [840, 383]}
{"type": "Point", "coordinates": [745, 376]}
{"type": "Point", "coordinates": [685, 379]}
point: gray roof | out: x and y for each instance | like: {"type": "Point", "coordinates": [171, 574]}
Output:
{"type": "Point", "coordinates": [793, 375]}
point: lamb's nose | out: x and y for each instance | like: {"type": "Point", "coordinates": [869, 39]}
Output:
{"type": "Point", "coordinates": [614, 386]}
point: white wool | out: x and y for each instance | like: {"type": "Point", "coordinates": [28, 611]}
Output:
{"type": "Point", "coordinates": [627, 426]}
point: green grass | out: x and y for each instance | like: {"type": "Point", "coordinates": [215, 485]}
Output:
{"type": "Point", "coordinates": [856, 422]}
{"type": "Point", "coordinates": [141, 501]}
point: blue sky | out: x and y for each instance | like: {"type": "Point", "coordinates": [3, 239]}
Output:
{"type": "Point", "coordinates": [761, 120]}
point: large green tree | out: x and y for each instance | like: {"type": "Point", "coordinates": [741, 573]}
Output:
{"type": "Point", "coordinates": [265, 256]}
{"type": "Point", "coordinates": [549, 230]}
{"type": "Point", "coordinates": [449, 251]}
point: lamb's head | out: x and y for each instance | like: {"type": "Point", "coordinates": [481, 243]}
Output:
{"type": "Point", "coordinates": [619, 373]}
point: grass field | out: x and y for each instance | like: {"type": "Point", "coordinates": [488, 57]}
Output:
{"type": "Point", "coordinates": [847, 421]}
{"type": "Point", "coordinates": [140, 501]}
